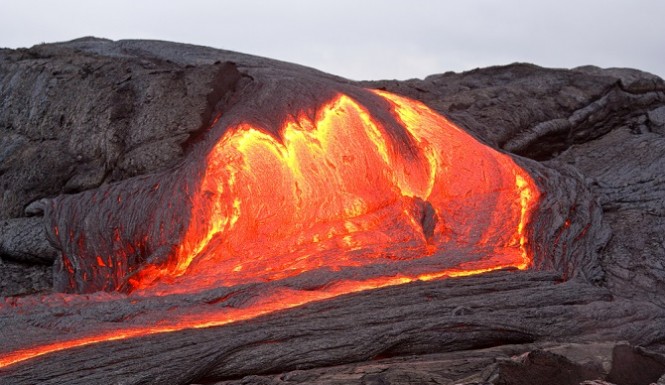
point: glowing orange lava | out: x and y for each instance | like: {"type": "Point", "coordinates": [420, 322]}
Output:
{"type": "Point", "coordinates": [336, 192]}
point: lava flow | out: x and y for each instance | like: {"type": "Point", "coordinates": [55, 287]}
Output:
{"type": "Point", "coordinates": [342, 192]}
{"type": "Point", "coordinates": [338, 192]}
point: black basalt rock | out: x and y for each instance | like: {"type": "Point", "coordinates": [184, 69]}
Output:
{"type": "Point", "coordinates": [92, 120]}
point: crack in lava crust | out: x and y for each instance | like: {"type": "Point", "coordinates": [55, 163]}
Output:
{"type": "Point", "coordinates": [337, 193]}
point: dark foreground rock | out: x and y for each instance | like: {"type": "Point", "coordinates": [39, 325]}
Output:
{"type": "Point", "coordinates": [80, 115]}
{"type": "Point", "coordinates": [572, 363]}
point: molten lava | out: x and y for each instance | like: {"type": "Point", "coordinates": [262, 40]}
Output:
{"type": "Point", "coordinates": [335, 192]}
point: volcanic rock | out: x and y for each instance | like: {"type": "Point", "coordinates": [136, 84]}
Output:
{"type": "Point", "coordinates": [89, 115]}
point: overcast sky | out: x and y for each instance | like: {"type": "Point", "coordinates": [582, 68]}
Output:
{"type": "Point", "coordinates": [368, 39]}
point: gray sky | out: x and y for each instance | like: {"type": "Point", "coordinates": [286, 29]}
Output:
{"type": "Point", "coordinates": [368, 39]}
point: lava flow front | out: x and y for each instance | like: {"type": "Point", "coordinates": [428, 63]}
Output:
{"type": "Point", "coordinates": [362, 200]}
{"type": "Point", "coordinates": [339, 192]}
